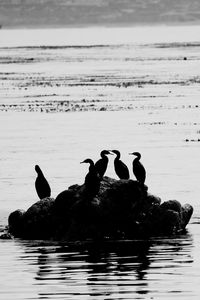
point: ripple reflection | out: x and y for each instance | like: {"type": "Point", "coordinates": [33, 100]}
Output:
{"type": "Point", "coordinates": [110, 269]}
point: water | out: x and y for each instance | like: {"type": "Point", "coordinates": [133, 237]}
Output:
{"type": "Point", "coordinates": [66, 94]}
{"type": "Point", "coordinates": [156, 269]}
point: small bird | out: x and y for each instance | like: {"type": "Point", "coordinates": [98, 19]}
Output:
{"type": "Point", "coordinates": [41, 184]}
{"type": "Point", "coordinates": [92, 179]}
{"type": "Point", "coordinates": [102, 163]}
{"type": "Point", "coordinates": [138, 168]}
{"type": "Point", "coordinates": [120, 168]}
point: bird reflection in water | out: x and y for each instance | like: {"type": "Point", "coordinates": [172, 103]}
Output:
{"type": "Point", "coordinates": [106, 268]}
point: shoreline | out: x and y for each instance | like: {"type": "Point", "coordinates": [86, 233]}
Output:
{"type": "Point", "coordinates": [100, 26]}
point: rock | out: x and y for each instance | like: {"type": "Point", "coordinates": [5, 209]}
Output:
{"type": "Point", "coordinates": [85, 220]}
{"type": "Point", "coordinates": [16, 222]}
{"type": "Point", "coordinates": [39, 220]}
{"type": "Point", "coordinates": [187, 211]}
{"type": "Point", "coordinates": [64, 201]}
{"type": "Point", "coordinates": [166, 219]}
{"type": "Point", "coordinates": [120, 204]}
{"type": "Point", "coordinates": [122, 209]}
{"type": "Point", "coordinates": [62, 210]}
{"type": "Point", "coordinates": [6, 236]}
{"type": "Point", "coordinates": [172, 205]}
{"type": "Point", "coordinates": [152, 200]}
{"type": "Point", "coordinates": [168, 222]}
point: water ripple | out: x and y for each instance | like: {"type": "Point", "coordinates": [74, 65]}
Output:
{"type": "Point", "coordinates": [110, 270]}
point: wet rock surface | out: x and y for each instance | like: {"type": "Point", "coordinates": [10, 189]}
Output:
{"type": "Point", "coordinates": [121, 209]}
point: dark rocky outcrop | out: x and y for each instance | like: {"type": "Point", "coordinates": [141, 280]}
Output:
{"type": "Point", "coordinates": [16, 222]}
{"type": "Point", "coordinates": [122, 209]}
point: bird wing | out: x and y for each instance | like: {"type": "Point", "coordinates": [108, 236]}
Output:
{"type": "Point", "coordinates": [121, 169]}
{"type": "Point", "coordinates": [139, 171]}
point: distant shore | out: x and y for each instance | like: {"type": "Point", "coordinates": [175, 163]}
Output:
{"type": "Point", "coordinates": [108, 25]}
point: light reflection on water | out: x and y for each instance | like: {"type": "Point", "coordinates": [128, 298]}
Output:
{"type": "Point", "coordinates": [111, 270]}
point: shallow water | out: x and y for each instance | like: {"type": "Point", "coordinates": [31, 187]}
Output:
{"type": "Point", "coordinates": [64, 99]}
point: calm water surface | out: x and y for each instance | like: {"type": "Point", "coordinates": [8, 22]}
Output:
{"type": "Point", "coordinates": [161, 268]}
{"type": "Point", "coordinates": [64, 96]}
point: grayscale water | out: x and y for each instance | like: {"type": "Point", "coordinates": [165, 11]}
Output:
{"type": "Point", "coordinates": [66, 94]}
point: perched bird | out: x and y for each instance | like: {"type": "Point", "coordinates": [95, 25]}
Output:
{"type": "Point", "coordinates": [41, 184]}
{"type": "Point", "coordinates": [120, 168]}
{"type": "Point", "coordinates": [92, 179]}
{"type": "Point", "coordinates": [102, 163]}
{"type": "Point", "coordinates": [138, 168]}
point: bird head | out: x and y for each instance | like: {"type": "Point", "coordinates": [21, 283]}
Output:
{"type": "Point", "coordinates": [136, 154]}
{"type": "Point", "coordinates": [106, 152]}
{"type": "Point", "coordinates": [87, 161]}
{"type": "Point", "coordinates": [115, 152]}
{"type": "Point", "coordinates": [37, 169]}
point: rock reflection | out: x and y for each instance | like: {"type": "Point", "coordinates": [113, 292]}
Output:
{"type": "Point", "coordinates": [110, 269]}
{"type": "Point", "coordinates": [125, 264]}
{"type": "Point", "coordinates": [44, 266]}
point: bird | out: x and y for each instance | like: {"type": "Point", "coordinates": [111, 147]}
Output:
{"type": "Point", "coordinates": [138, 168]}
{"type": "Point", "coordinates": [102, 163]}
{"type": "Point", "coordinates": [120, 168]}
{"type": "Point", "coordinates": [92, 178]}
{"type": "Point", "coordinates": [41, 184]}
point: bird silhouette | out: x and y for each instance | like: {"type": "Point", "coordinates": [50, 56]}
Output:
{"type": "Point", "coordinates": [41, 184]}
{"type": "Point", "coordinates": [92, 178]}
{"type": "Point", "coordinates": [120, 168]}
{"type": "Point", "coordinates": [102, 163]}
{"type": "Point", "coordinates": [138, 168]}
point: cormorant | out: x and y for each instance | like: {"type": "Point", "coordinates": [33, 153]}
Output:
{"type": "Point", "coordinates": [41, 184]}
{"type": "Point", "coordinates": [92, 179]}
{"type": "Point", "coordinates": [120, 168]}
{"type": "Point", "coordinates": [102, 163]}
{"type": "Point", "coordinates": [138, 168]}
